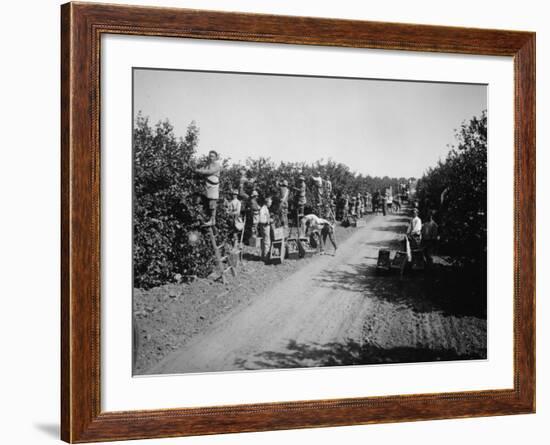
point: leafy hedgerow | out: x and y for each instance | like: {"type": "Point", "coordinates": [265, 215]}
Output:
{"type": "Point", "coordinates": [456, 190]}
{"type": "Point", "coordinates": [168, 207]}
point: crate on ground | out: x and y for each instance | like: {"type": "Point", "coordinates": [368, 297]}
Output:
{"type": "Point", "coordinates": [278, 233]}
{"type": "Point", "coordinates": [360, 223]}
{"type": "Point", "coordinates": [255, 241]}
{"type": "Point", "coordinates": [277, 251]}
{"type": "Point", "coordinates": [384, 260]}
{"type": "Point", "coordinates": [292, 249]}
{"type": "Point", "coordinates": [305, 247]}
{"type": "Point", "coordinates": [235, 257]}
{"type": "Point", "coordinates": [417, 262]}
{"type": "Point", "coordinates": [399, 262]}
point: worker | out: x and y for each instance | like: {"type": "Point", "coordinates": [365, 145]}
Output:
{"type": "Point", "coordinates": [376, 201]}
{"type": "Point", "coordinates": [397, 204]}
{"type": "Point", "coordinates": [353, 207]}
{"type": "Point", "coordinates": [234, 211]}
{"type": "Point", "coordinates": [318, 189]}
{"type": "Point", "coordinates": [327, 189]}
{"type": "Point", "coordinates": [243, 181]}
{"type": "Point", "coordinates": [264, 223]}
{"type": "Point", "coordinates": [414, 231]}
{"type": "Point", "coordinates": [321, 228]}
{"type": "Point", "coordinates": [345, 207]}
{"type": "Point", "coordinates": [389, 202]}
{"type": "Point", "coordinates": [254, 212]}
{"type": "Point", "coordinates": [300, 198]}
{"type": "Point", "coordinates": [283, 202]}
{"type": "Point", "coordinates": [430, 237]}
{"type": "Point", "coordinates": [360, 206]}
{"type": "Point", "coordinates": [212, 184]}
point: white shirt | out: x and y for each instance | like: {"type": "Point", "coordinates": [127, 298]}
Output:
{"type": "Point", "coordinates": [315, 223]}
{"type": "Point", "coordinates": [415, 227]}
{"type": "Point", "coordinates": [265, 217]}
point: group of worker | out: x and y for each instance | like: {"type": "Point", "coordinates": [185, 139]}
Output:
{"type": "Point", "coordinates": [423, 235]}
{"type": "Point", "coordinates": [249, 210]}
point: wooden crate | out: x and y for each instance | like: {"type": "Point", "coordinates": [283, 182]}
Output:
{"type": "Point", "coordinates": [306, 249]}
{"type": "Point", "coordinates": [417, 259]}
{"type": "Point", "coordinates": [255, 241]}
{"type": "Point", "coordinates": [292, 249]}
{"type": "Point", "coordinates": [277, 252]}
{"type": "Point", "coordinates": [384, 261]}
{"type": "Point", "coordinates": [278, 233]}
{"type": "Point", "coordinates": [399, 260]}
{"type": "Point", "coordinates": [360, 223]}
{"type": "Point", "coordinates": [234, 257]}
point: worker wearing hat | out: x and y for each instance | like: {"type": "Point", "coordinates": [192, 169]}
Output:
{"type": "Point", "coordinates": [414, 230]}
{"type": "Point", "coordinates": [300, 198]}
{"type": "Point", "coordinates": [211, 175]}
{"type": "Point", "coordinates": [254, 211]}
{"type": "Point", "coordinates": [234, 211]}
{"type": "Point", "coordinates": [353, 206]}
{"type": "Point", "coordinates": [283, 202]}
{"type": "Point", "coordinates": [264, 223]}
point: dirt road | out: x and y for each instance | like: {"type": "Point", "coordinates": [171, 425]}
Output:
{"type": "Point", "coordinates": [336, 310]}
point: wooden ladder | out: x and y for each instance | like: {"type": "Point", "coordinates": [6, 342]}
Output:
{"type": "Point", "coordinates": [221, 260]}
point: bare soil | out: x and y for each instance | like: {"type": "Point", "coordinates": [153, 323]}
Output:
{"type": "Point", "coordinates": [320, 311]}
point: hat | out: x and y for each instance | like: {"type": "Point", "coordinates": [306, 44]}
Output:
{"type": "Point", "coordinates": [301, 178]}
{"type": "Point", "coordinates": [254, 193]}
{"type": "Point", "coordinates": [234, 192]}
{"type": "Point", "coordinates": [285, 182]}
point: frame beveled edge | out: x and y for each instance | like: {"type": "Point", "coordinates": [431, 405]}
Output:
{"type": "Point", "coordinates": [81, 27]}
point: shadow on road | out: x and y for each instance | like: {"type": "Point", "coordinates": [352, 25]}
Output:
{"type": "Point", "coordinates": [397, 228]}
{"type": "Point", "coordinates": [348, 352]}
{"type": "Point", "coordinates": [446, 290]}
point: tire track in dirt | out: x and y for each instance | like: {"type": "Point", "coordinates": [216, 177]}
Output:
{"type": "Point", "coordinates": [334, 311]}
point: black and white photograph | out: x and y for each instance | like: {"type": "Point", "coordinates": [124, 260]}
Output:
{"type": "Point", "coordinates": [285, 221]}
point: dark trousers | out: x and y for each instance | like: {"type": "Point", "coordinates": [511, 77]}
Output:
{"type": "Point", "coordinates": [327, 233]}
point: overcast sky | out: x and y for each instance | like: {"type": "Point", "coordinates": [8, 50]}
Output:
{"type": "Point", "coordinates": [376, 127]}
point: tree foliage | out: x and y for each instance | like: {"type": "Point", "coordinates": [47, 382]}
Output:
{"type": "Point", "coordinates": [167, 205]}
{"type": "Point", "coordinates": [167, 198]}
{"type": "Point", "coordinates": [457, 190]}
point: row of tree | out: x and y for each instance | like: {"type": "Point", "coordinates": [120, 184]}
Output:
{"type": "Point", "coordinates": [456, 190]}
{"type": "Point", "coordinates": [168, 211]}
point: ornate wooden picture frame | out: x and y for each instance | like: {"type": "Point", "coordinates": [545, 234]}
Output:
{"type": "Point", "coordinates": [82, 25]}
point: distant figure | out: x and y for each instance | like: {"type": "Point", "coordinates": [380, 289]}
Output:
{"type": "Point", "coordinates": [389, 203]}
{"type": "Point", "coordinates": [283, 202]}
{"type": "Point", "coordinates": [430, 236]}
{"type": "Point", "coordinates": [359, 206]}
{"type": "Point", "coordinates": [212, 184]}
{"type": "Point", "coordinates": [353, 207]}
{"type": "Point", "coordinates": [345, 207]}
{"type": "Point", "coordinates": [318, 190]}
{"type": "Point", "coordinates": [243, 182]}
{"type": "Point", "coordinates": [376, 201]}
{"type": "Point", "coordinates": [300, 198]}
{"type": "Point", "coordinates": [254, 212]}
{"type": "Point", "coordinates": [414, 231]}
{"type": "Point", "coordinates": [397, 204]}
{"type": "Point", "coordinates": [264, 222]}
{"type": "Point", "coordinates": [234, 211]}
{"type": "Point", "coordinates": [327, 187]}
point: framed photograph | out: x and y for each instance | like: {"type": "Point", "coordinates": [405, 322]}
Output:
{"type": "Point", "coordinates": [274, 222]}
